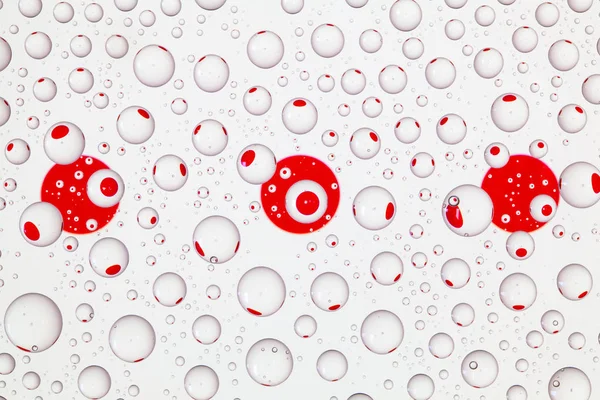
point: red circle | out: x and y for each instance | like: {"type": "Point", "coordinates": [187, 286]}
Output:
{"type": "Point", "coordinates": [546, 210]}
{"type": "Point", "coordinates": [302, 168]}
{"type": "Point", "coordinates": [521, 252]}
{"type": "Point", "coordinates": [307, 203]}
{"type": "Point", "coordinates": [75, 206]}
{"type": "Point", "coordinates": [511, 191]}
{"type": "Point", "coordinates": [109, 187]}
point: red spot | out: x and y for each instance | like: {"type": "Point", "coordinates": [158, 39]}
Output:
{"type": "Point", "coordinates": [162, 48]}
{"type": "Point", "coordinates": [546, 210]}
{"type": "Point", "coordinates": [330, 25]}
{"type": "Point", "coordinates": [432, 61]}
{"type": "Point", "coordinates": [540, 145]}
{"type": "Point", "coordinates": [182, 169]}
{"type": "Point", "coordinates": [197, 129]}
{"type": "Point", "coordinates": [154, 170]}
{"type": "Point", "coordinates": [24, 349]}
{"type": "Point", "coordinates": [555, 332]}
{"type": "Point", "coordinates": [254, 312]}
{"type": "Point", "coordinates": [374, 137]}
{"type": "Point", "coordinates": [568, 41]}
{"type": "Point", "coordinates": [579, 109]}
{"type": "Point", "coordinates": [80, 69]}
{"type": "Point", "coordinates": [509, 98]}
{"type": "Point", "coordinates": [582, 295]}
{"type": "Point", "coordinates": [299, 103]}
{"type": "Point", "coordinates": [449, 283]}
{"type": "Point", "coordinates": [443, 121]}
{"type": "Point", "coordinates": [59, 132]}
{"type": "Point", "coordinates": [487, 49]}
{"type": "Point", "coordinates": [305, 336]}
{"type": "Point", "coordinates": [518, 307]}
{"type": "Point", "coordinates": [454, 216]}
{"type": "Point", "coordinates": [138, 360]}
{"type": "Point", "coordinates": [143, 113]}
{"type": "Point", "coordinates": [332, 134]}
{"type": "Point", "coordinates": [596, 182]}
{"type": "Point", "coordinates": [31, 231]}
{"type": "Point", "coordinates": [225, 131]}
{"type": "Point", "coordinates": [389, 211]}
{"type": "Point", "coordinates": [237, 247]}
{"type": "Point", "coordinates": [179, 301]}
{"type": "Point", "coordinates": [40, 80]}
{"type": "Point", "coordinates": [199, 249]}
{"type": "Point", "coordinates": [252, 90]}
{"type": "Point", "coordinates": [521, 252]}
{"type": "Point", "coordinates": [109, 187]}
{"type": "Point", "coordinates": [398, 125]}
{"type": "Point", "coordinates": [248, 158]}
{"type": "Point", "coordinates": [397, 278]}
{"type": "Point", "coordinates": [358, 71]}
{"type": "Point", "coordinates": [153, 220]}
{"type": "Point", "coordinates": [261, 32]}
{"type": "Point", "coordinates": [113, 269]}
{"type": "Point", "coordinates": [10, 147]}
{"type": "Point", "coordinates": [307, 203]}
{"type": "Point", "coordinates": [459, 324]}
{"type": "Point", "coordinates": [202, 59]}
{"type": "Point", "coordinates": [413, 162]}
{"type": "Point", "coordinates": [335, 307]}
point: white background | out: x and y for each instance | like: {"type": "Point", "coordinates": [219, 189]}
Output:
{"type": "Point", "coordinates": [49, 270]}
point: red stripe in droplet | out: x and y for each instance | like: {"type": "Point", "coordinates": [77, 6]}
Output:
{"type": "Point", "coordinates": [59, 132]}
{"type": "Point", "coordinates": [31, 231]}
{"type": "Point", "coordinates": [389, 211]}
{"type": "Point", "coordinates": [113, 269]}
